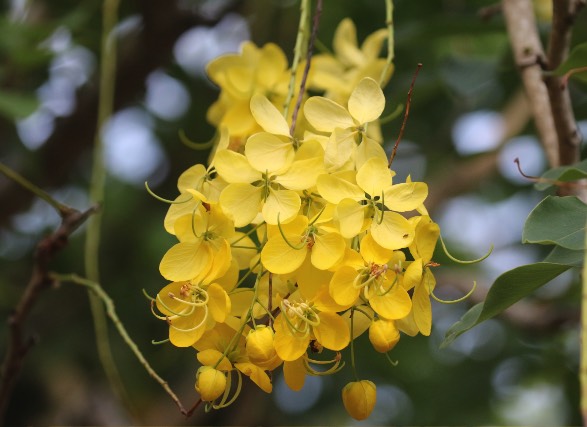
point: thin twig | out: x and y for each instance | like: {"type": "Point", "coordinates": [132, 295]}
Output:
{"type": "Point", "coordinates": [61, 209]}
{"type": "Point", "coordinates": [111, 312]}
{"type": "Point", "coordinates": [315, 25]}
{"type": "Point", "coordinates": [18, 346]}
{"type": "Point", "coordinates": [406, 114]}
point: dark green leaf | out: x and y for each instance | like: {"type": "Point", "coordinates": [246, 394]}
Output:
{"type": "Point", "coordinates": [559, 221]}
{"type": "Point", "coordinates": [560, 255]}
{"type": "Point", "coordinates": [509, 288]}
{"type": "Point", "coordinates": [563, 173]}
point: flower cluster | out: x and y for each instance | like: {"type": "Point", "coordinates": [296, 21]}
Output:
{"type": "Point", "coordinates": [292, 243]}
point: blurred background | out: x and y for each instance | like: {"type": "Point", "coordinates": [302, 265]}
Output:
{"type": "Point", "coordinates": [468, 121]}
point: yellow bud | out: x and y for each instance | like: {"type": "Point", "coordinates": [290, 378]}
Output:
{"type": "Point", "coordinates": [210, 383]}
{"type": "Point", "coordinates": [260, 348]}
{"type": "Point", "coordinates": [359, 398]}
{"type": "Point", "coordinates": [384, 335]}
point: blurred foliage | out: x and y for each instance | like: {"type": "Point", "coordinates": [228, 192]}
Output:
{"type": "Point", "coordinates": [468, 66]}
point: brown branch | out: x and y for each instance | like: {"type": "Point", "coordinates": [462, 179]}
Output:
{"type": "Point", "coordinates": [569, 138]}
{"type": "Point", "coordinates": [529, 56]}
{"type": "Point", "coordinates": [18, 345]}
{"type": "Point", "coordinates": [406, 114]}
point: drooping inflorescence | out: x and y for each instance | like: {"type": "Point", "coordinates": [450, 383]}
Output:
{"type": "Point", "coordinates": [292, 246]}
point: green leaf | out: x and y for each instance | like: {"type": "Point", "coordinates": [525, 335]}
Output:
{"type": "Point", "coordinates": [559, 221]}
{"type": "Point", "coordinates": [563, 173]}
{"type": "Point", "coordinates": [560, 255]}
{"type": "Point", "coordinates": [576, 59]}
{"type": "Point", "coordinates": [509, 288]}
{"type": "Point", "coordinates": [16, 105]}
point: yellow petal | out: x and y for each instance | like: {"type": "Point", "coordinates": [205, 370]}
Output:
{"type": "Point", "coordinates": [328, 250]}
{"type": "Point", "coordinates": [367, 101]}
{"type": "Point", "coordinates": [406, 197]}
{"type": "Point", "coordinates": [282, 203]}
{"type": "Point", "coordinates": [268, 153]}
{"type": "Point", "coordinates": [241, 202]}
{"type": "Point", "coordinates": [374, 177]}
{"type": "Point", "coordinates": [295, 373]}
{"type": "Point", "coordinates": [371, 47]}
{"type": "Point", "coordinates": [332, 332]}
{"type": "Point", "coordinates": [268, 116]}
{"type": "Point", "coordinates": [271, 65]}
{"type": "Point", "coordinates": [413, 274]}
{"type": "Point", "coordinates": [211, 357]}
{"type": "Point", "coordinates": [334, 189]}
{"type": "Point", "coordinates": [238, 119]}
{"type": "Point", "coordinates": [422, 310]}
{"type": "Point", "coordinates": [184, 261]}
{"type": "Point", "coordinates": [177, 210]}
{"type": "Point", "coordinates": [326, 115]}
{"type": "Point", "coordinates": [392, 305]}
{"type": "Point", "coordinates": [383, 335]}
{"type": "Point", "coordinates": [394, 232]}
{"type": "Point", "coordinates": [288, 346]}
{"type": "Point", "coordinates": [302, 174]}
{"type": "Point", "coordinates": [369, 149]}
{"type": "Point", "coordinates": [374, 252]}
{"type": "Point", "coordinates": [280, 258]}
{"type": "Point", "coordinates": [342, 287]}
{"type": "Point", "coordinates": [310, 280]}
{"type": "Point", "coordinates": [184, 331]}
{"type": "Point", "coordinates": [345, 44]}
{"type": "Point", "coordinates": [351, 217]}
{"type": "Point", "coordinates": [427, 233]}
{"type": "Point", "coordinates": [218, 302]}
{"type": "Point", "coordinates": [243, 250]}
{"type": "Point", "coordinates": [234, 167]}
{"type": "Point", "coordinates": [256, 374]}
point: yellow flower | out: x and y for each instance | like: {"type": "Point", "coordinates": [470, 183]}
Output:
{"type": "Point", "coordinates": [203, 252]}
{"type": "Point", "coordinates": [374, 198]}
{"type": "Point", "coordinates": [359, 398]}
{"type": "Point", "coordinates": [260, 349]}
{"type": "Point", "coordinates": [384, 335]}
{"type": "Point", "coordinates": [213, 349]}
{"type": "Point", "coordinates": [285, 254]}
{"type": "Point", "coordinates": [210, 383]}
{"type": "Point", "coordinates": [381, 286]}
{"type": "Point", "coordinates": [337, 73]}
{"type": "Point", "coordinates": [347, 126]}
{"type": "Point", "coordinates": [240, 76]}
{"type": "Point", "coordinates": [418, 274]}
{"type": "Point", "coordinates": [300, 321]}
{"type": "Point", "coordinates": [191, 309]}
{"type": "Point", "coordinates": [266, 179]}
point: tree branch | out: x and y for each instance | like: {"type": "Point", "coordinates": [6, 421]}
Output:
{"type": "Point", "coordinates": [529, 57]}
{"type": "Point", "coordinates": [18, 346]}
{"type": "Point", "coordinates": [569, 138]}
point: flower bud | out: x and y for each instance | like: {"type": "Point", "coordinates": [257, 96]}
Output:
{"type": "Point", "coordinates": [260, 349]}
{"type": "Point", "coordinates": [359, 398]}
{"type": "Point", "coordinates": [384, 335]}
{"type": "Point", "coordinates": [210, 383]}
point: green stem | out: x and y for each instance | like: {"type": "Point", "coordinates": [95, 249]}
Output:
{"type": "Point", "coordinates": [92, 243]}
{"type": "Point", "coordinates": [107, 302]}
{"type": "Point", "coordinates": [299, 51]}
{"type": "Point", "coordinates": [61, 209]}
{"type": "Point", "coordinates": [390, 40]}
{"type": "Point", "coordinates": [583, 369]}
{"type": "Point", "coordinates": [353, 365]}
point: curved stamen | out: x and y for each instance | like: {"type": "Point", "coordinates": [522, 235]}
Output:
{"type": "Point", "coordinates": [161, 199]}
{"type": "Point", "coordinates": [473, 261]}
{"type": "Point", "coordinates": [297, 248]}
{"type": "Point", "coordinates": [199, 325]}
{"type": "Point", "coordinates": [456, 300]}
{"type": "Point", "coordinates": [195, 145]}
